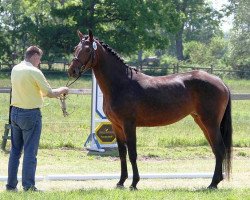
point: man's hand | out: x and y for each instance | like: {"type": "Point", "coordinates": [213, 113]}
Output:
{"type": "Point", "coordinates": [65, 90]}
{"type": "Point", "coordinates": [57, 92]}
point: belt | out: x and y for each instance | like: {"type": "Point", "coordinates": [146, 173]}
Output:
{"type": "Point", "coordinates": [25, 108]}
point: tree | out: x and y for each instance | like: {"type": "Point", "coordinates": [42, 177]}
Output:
{"type": "Point", "coordinates": [199, 22]}
{"type": "Point", "coordinates": [20, 25]}
{"type": "Point", "coordinates": [10, 18]}
{"type": "Point", "coordinates": [213, 53]}
{"type": "Point", "coordinates": [240, 37]}
{"type": "Point", "coordinates": [128, 25]}
{"type": "Point", "coordinates": [49, 32]}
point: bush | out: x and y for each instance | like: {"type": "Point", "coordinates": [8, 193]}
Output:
{"type": "Point", "coordinates": [168, 60]}
{"type": "Point", "coordinates": [214, 53]}
{"type": "Point", "coordinates": [196, 52]}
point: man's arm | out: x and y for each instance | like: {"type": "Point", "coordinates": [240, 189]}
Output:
{"type": "Point", "coordinates": [54, 93]}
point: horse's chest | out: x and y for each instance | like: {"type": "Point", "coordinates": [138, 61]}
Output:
{"type": "Point", "coordinates": [114, 111]}
{"type": "Point", "coordinates": [107, 109]}
{"type": "Point", "coordinates": [112, 116]}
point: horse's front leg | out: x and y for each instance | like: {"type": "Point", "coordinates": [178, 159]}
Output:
{"type": "Point", "coordinates": [122, 153]}
{"type": "Point", "coordinates": [130, 131]}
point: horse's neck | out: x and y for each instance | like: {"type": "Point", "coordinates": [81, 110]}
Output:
{"type": "Point", "coordinates": [110, 72]}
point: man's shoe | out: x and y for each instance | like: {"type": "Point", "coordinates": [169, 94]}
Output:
{"type": "Point", "coordinates": [32, 189]}
{"type": "Point", "coordinates": [10, 189]}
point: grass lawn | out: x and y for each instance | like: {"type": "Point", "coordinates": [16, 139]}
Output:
{"type": "Point", "coordinates": [147, 194]}
{"type": "Point", "coordinates": [169, 160]}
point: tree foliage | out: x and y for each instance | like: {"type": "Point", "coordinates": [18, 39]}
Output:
{"type": "Point", "coordinates": [199, 22]}
{"type": "Point", "coordinates": [213, 53]}
{"type": "Point", "coordinates": [240, 37]}
{"type": "Point", "coordinates": [128, 26]}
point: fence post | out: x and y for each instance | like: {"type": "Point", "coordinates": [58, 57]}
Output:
{"type": "Point", "coordinates": [212, 69]}
{"type": "Point", "coordinates": [6, 136]}
{"type": "Point", "coordinates": [64, 66]}
{"type": "Point", "coordinates": [140, 52]}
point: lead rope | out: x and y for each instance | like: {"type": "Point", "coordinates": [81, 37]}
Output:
{"type": "Point", "coordinates": [63, 97]}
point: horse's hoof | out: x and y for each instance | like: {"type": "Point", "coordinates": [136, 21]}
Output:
{"type": "Point", "coordinates": [132, 188]}
{"type": "Point", "coordinates": [212, 187]}
{"type": "Point", "coordinates": [119, 186]}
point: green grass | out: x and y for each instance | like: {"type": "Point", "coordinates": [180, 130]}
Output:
{"type": "Point", "coordinates": [149, 194]}
{"type": "Point", "coordinates": [238, 85]}
{"type": "Point", "coordinates": [167, 160]}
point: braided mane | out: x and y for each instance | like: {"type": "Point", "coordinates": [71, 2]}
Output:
{"type": "Point", "coordinates": [113, 52]}
{"type": "Point", "coordinates": [107, 47]}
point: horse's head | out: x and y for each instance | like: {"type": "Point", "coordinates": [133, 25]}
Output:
{"type": "Point", "coordinates": [84, 55]}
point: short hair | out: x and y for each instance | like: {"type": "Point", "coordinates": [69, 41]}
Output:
{"type": "Point", "coordinates": [32, 50]}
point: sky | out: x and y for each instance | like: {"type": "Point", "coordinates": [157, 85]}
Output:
{"type": "Point", "coordinates": [226, 25]}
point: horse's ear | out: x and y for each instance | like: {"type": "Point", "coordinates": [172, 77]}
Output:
{"type": "Point", "coordinates": [80, 35]}
{"type": "Point", "coordinates": [91, 38]}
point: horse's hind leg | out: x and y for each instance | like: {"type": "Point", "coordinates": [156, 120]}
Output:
{"type": "Point", "coordinates": [219, 152]}
{"type": "Point", "coordinates": [213, 135]}
{"type": "Point", "coordinates": [203, 128]}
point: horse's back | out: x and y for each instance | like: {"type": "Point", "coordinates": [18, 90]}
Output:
{"type": "Point", "coordinates": [184, 85]}
{"type": "Point", "coordinates": [173, 97]}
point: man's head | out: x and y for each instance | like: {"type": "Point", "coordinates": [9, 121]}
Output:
{"type": "Point", "coordinates": [33, 55]}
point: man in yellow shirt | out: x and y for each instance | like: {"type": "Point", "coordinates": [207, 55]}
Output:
{"type": "Point", "coordinates": [29, 86]}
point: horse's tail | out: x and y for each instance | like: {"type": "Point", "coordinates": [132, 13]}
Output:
{"type": "Point", "coordinates": [226, 132]}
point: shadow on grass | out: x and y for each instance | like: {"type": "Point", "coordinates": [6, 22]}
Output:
{"type": "Point", "coordinates": [109, 152]}
{"type": "Point", "coordinates": [168, 190]}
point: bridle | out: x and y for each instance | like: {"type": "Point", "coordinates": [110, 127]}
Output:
{"type": "Point", "coordinates": [83, 67]}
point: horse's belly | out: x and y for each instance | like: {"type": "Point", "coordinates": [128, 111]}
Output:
{"type": "Point", "coordinates": [158, 121]}
{"type": "Point", "coordinates": [161, 117]}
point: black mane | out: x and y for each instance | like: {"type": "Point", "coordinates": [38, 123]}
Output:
{"type": "Point", "coordinates": [113, 52]}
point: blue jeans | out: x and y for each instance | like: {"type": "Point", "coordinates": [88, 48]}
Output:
{"type": "Point", "coordinates": [26, 126]}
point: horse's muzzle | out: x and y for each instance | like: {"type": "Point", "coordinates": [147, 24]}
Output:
{"type": "Point", "coordinates": [73, 71]}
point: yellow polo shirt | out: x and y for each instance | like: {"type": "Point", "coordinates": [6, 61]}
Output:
{"type": "Point", "coordinates": [29, 85]}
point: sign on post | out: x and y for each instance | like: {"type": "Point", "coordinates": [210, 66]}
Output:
{"type": "Point", "coordinates": [105, 134]}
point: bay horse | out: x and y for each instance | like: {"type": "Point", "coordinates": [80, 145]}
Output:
{"type": "Point", "coordinates": [132, 99]}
